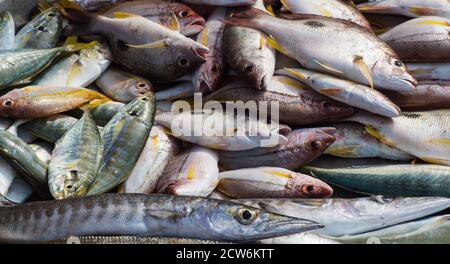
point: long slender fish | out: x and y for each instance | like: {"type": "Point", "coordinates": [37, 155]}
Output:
{"type": "Point", "coordinates": [432, 230]}
{"type": "Point", "coordinates": [430, 71]}
{"type": "Point", "coordinates": [144, 215]}
{"type": "Point", "coordinates": [154, 158]}
{"type": "Point", "coordinates": [421, 39]}
{"type": "Point", "coordinates": [249, 55]}
{"type": "Point", "coordinates": [389, 180]}
{"type": "Point", "coordinates": [193, 172]}
{"type": "Point", "coordinates": [270, 182]}
{"type": "Point", "coordinates": [353, 141]}
{"type": "Point", "coordinates": [359, 55]}
{"type": "Point", "coordinates": [124, 137]}
{"type": "Point", "coordinates": [302, 146]}
{"type": "Point", "coordinates": [133, 240]}
{"type": "Point", "coordinates": [410, 8]}
{"type": "Point", "coordinates": [353, 216]}
{"type": "Point", "coordinates": [428, 140]}
{"type": "Point", "coordinates": [75, 160]}
{"type": "Point", "coordinates": [7, 31]}
{"type": "Point", "coordinates": [191, 23]}
{"type": "Point", "coordinates": [428, 95]}
{"type": "Point", "coordinates": [342, 9]}
{"type": "Point", "coordinates": [300, 107]}
{"type": "Point", "coordinates": [300, 239]}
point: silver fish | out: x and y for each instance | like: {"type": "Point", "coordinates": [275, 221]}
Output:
{"type": "Point", "coordinates": [7, 31]}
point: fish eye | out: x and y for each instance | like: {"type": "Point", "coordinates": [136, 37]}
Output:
{"type": "Point", "coordinates": [246, 216]}
{"type": "Point", "coordinates": [183, 62]}
{"type": "Point", "coordinates": [42, 28]}
{"type": "Point", "coordinates": [249, 68]}
{"type": "Point", "coordinates": [308, 188]}
{"type": "Point", "coordinates": [51, 15]}
{"type": "Point", "coordinates": [398, 63]}
{"type": "Point", "coordinates": [8, 103]}
{"type": "Point", "coordinates": [314, 144]}
{"type": "Point", "coordinates": [68, 187]}
{"type": "Point", "coordinates": [184, 13]}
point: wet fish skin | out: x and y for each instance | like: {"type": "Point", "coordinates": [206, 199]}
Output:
{"type": "Point", "coordinates": [427, 141]}
{"type": "Point", "coordinates": [208, 76]}
{"type": "Point", "coordinates": [95, 5]}
{"type": "Point", "coordinates": [43, 32]}
{"type": "Point", "coordinates": [353, 141]}
{"type": "Point", "coordinates": [74, 166]}
{"type": "Point", "coordinates": [23, 158]}
{"type": "Point", "coordinates": [127, 240]}
{"type": "Point", "coordinates": [222, 2]}
{"type": "Point", "coordinates": [106, 111]}
{"type": "Point", "coordinates": [7, 31]}
{"type": "Point", "coordinates": [341, 9]}
{"type": "Point", "coordinates": [150, 215]}
{"type": "Point", "coordinates": [428, 95]}
{"type": "Point", "coordinates": [270, 182]}
{"type": "Point", "coordinates": [390, 180]}
{"type": "Point", "coordinates": [432, 230]}
{"type": "Point", "coordinates": [353, 216]}
{"type": "Point", "coordinates": [123, 86]}
{"type": "Point", "coordinates": [193, 172]}
{"type": "Point", "coordinates": [303, 146]}
{"type": "Point", "coordinates": [191, 23]}
{"type": "Point", "coordinates": [421, 39]}
{"type": "Point", "coordinates": [321, 36]}
{"type": "Point", "coordinates": [124, 137]}
{"type": "Point", "coordinates": [156, 155]}
{"type": "Point", "coordinates": [43, 101]}
{"type": "Point", "coordinates": [302, 107]}
{"type": "Point", "coordinates": [13, 189]}
{"type": "Point", "coordinates": [173, 56]}
{"type": "Point", "coordinates": [410, 8]}
{"type": "Point", "coordinates": [50, 129]}
{"type": "Point", "coordinates": [43, 150]}
{"type": "Point", "coordinates": [344, 91]}
{"type": "Point", "coordinates": [179, 91]}
{"type": "Point", "coordinates": [306, 238]}
{"type": "Point", "coordinates": [430, 71]}
{"type": "Point", "coordinates": [248, 54]}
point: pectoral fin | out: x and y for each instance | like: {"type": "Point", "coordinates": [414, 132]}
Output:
{"type": "Point", "coordinates": [174, 24]}
{"type": "Point", "coordinates": [159, 44]}
{"type": "Point", "coordinates": [359, 62]}
{"type": "Point", "coordinates": [296, 73]}
{"type": "Point", "coordinates": [345, 151]}
{"type": "Point", "coordinates": [328, 68]}
{"type": "Point", "coordinates": [275, 45]}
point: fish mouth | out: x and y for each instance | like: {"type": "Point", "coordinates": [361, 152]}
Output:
{"type": "Point", "coordinates": [201, 52]}
{"type": "Point", "coordinates": [407, 84]}
{"type": "Point", "coordinates": [194, 27]}
{"type": "Point", "coordinates": [263, 83]}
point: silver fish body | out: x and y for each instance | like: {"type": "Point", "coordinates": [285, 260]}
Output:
{"type": "Point", "coordinates": [430, 71]}
{"type": "Point", "coordinates": [410, 8]}
{"type": "Point", "coordinates": [132, 240]}
{"type": "Point", "coordinates": [7, 31]}
{"type": "Point", "coordinates": [50, 129]}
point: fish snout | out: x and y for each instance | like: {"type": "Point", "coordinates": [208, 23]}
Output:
{"type": "Point", "coordinates": [201, 52]}
{"type": "Point", "coordinates": [316, 189]}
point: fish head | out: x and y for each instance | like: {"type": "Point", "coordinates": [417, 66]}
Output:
{"type": "Point", "coordinates": [245, 223]}
{"type": "Point", "coordinates": [257, 75]}
{"type": "Point", "coordinates": [137, 87]}
{"type": "Point", "coordinates": [309, 187]}
{"type": "Point", "coordinates": [314, 140]}
{"type": "Point", "coordinates": [45, 26]}
{"type": "Point", "coordinates": [12, 104]}
{"type": "Point", "coordinates": [69, 185]}
{"type": "Point", "coordinates": [189, 54]}
{"type": "Point", "coordinates": [142, 108]}
{"type": "Point", "coordinates": [190, 21]}
{"type": "Point", "coordinates": [397, 76]}
{"type": "Point", "coordinates": [208, 76]}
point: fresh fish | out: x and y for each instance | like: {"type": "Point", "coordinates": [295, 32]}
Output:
{"type": "Point", "coordinates": [390, 180]}
{"type": "Point", "coordinates": [222, 2]}
{"type": "Point", "coordinates": [298, 106]}
{"type": "Point", "coordinates": [249, 55]}
{"type": "Point", "coordinates": [12, 187]}
{"type": "Point", "coordinates": [50, 129]}
{"type": "Point", "coordinates": [43, 150]}
{"type": "Point", "coordinates": [382, 23]}
{"type": "Point", "coordinates": [22, 134]}
{"type": "Point", "coordinates": [300, 239]}
{"type": "Point", "coordinates": [123, 86]}
{"type": "Point", "coordinates": [154, 158]}
{"type": "Point", "coordinates": [428, 95]}
{"type": "Point", "coordinates": [424, 135]}
{"type": "Point", "coordinates": [208, 76]}
{"type": "Point", "coordinates": [283, 61]}
{"type": "Point", "coordinates": [191, 23]}
{"type": "Point", "coordinates": [430, 71]}
{"type": "Point", "coordinates": [353, 216]}
{"type": "Point", "coordinates": [226, 132]}
{"type": "Point", "coordinates": [271, 182]}
{"type": "Point", "coordinates": [302, 146]}
{"type": "Point", "coordinates": [410, 8]}
{"type": "Point", "coordinates": [193, 172]}
{"type": "Point", "coordinates": [358, 55]}
{"type": "Point", "coordinates": [144, 47]}
{"type": "Point", "coordinates": [432, 230]}
{"type": "Point", "coordinates": [132, 240]}
{"type": "Point", "coordinates": [21, 66]}
{"type": "Point", "coordinates": [105, 112]}
{"type": "Point", "coordinates": [43, 32]}
{"type": "Point", "coordinates": [124, 138]}
{"type": "Point", "coordinates": [347, 92]}
{"type": "Point", "coordinates": [20, 10]}
{"type": "Point", "coordinates": [342, 9]}
{"type": "Point", "coordinates": [353, 141]}
{"type": "Point", "coordinates": [75, 160]}
{"type": "Point", "coordinates": [149, 215]}
{"type": "Point", "coordinates": [95, 5]}
{"type": "Point", "coordinates": [421, 39]}
{"type": "Point", "coordinates": [43, 101]}
{"type": "Point", "coordinates": [219, 196]}
{"type": "Point", "coordinates": [77, 70]}
{"type": "Point", "coordinates": [179, 91]}
{"type": "Point", "coordinates": [23, 158]}
{"type": "Point", "coordinates": [7, 31]}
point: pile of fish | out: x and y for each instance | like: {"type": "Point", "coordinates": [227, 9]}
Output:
{"type": "Point", "coordinates": [352, 147]}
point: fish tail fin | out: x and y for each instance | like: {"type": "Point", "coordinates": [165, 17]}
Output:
{"type": "Point", "coordinates": [71, 44]}
{"type": "Point", "coordinates": [246, 18]}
